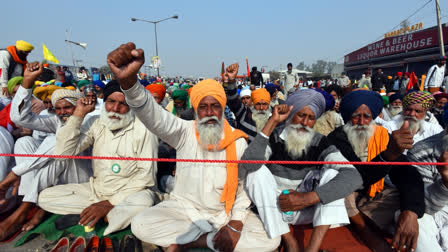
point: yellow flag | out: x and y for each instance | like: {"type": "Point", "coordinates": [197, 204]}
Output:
{"type": "Point", "coordinates": [48, 55]}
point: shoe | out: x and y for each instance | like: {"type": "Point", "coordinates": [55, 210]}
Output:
{"type": "Point", "coordinates": [79, 245]}
{"type": "Point", "coordinates": [61, 246]}
{"type": "Point", "coordinates": [93, 245]}
{"type": "Point", "coordinates": [106, 245]}
{"type": "Point", "coordinates": [127, 244]}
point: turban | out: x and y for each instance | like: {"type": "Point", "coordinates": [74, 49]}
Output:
{"type": "Point", "coordinates": [399, 73]}
{"type": "Point", "coordinates": [419, 97]}
{"type": "Point", "coordinates": [69, 95]}
{"type": "Point", "coordinates": [406, 74]}
{"type": "Point", "coordinates": [24, 46]}
{"type": "Point", "coordinates": [329, 100]}
{"type": "Point", "coordinates": [245, 92]}
{"type": "Point", "coordinates": [179, 94]}
{"type": "Point", "coordinates": [159, 89]}
{"type": "Point", "coordinates": [353, 100]}
{"type": "Point", "coordinates": [395, 97]}
{"type": "Point", "coordinates": [13, 82]}
{"type": "Point", "coordinates": [82, 83]}
{"type": "Point", "coordinates": [440, 96]}
{"type": "Point", "coordinates": [111, 88]}
{"type": "Point", "coordinates": [144, 82]}
{"type": "Point", "coordinates": [445, 113]}
{"type": "Point", "coordinates": [99, 83]}
{"type": "Point", "coordinates": [208, 87]}
{"type": "Point", "coordinates": [306, 97]}
{"type": "Point", "coordinates": [89, 88]}
{"type": "Point", "coordinates": [45, 92]}
{"type": "Point", "coordinates": [385, 100]}
{"type": "Point", "coordinates": [260, 94]}
{"type": "Point", "coordinates": [389, 77]}
{"type": "Point", "coordinates": [271, 88]}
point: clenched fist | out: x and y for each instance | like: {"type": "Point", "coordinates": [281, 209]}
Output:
{"type": "Point", "coordinates": [125, 62]}
{"type": "Point", "coordinates": [32, 72]}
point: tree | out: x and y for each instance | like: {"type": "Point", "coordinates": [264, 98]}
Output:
{"type": "Point", "coordinates": [274, 75]}
{"type": "Point", "coordinates": [319, 68]}
{"type": "Point", "coordinates": [330, 66]}
{"type": "Point", "coordinates": [301, 66]}
{"type": "Point", "coordinates": [105, 69]}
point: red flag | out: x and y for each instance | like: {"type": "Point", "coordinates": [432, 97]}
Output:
{"type": "Point", "coordinates": [222, 70]}
{"type": "Point", "coordinates": [412, 81]}
{"type": "Point", "coordinates": [248, 71]}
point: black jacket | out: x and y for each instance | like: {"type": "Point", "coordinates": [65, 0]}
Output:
{"type": "Point", "coordinates": [378, 81]}
{"type": "Point", "coordinates": [406, 178]}
{"type": "Point", "coordinates": [256, 78]}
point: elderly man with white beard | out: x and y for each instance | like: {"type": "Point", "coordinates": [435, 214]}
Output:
{"type": "Point", "coordinates": [32, 175]}
{"type": "Point", "coordinates": [250, 120]}
{"type": "Point", "coordinates": [394, 108]}
{"type": "Point", "coordinates": [415, 107]}
{"type": "Point", "coordinates": [361, 140]}
{"type": "Point", "coordinates": [208, 206]}
{"type": "Point", "coordinates": [432, 150]}
{"type": "Point", "coordinates": [315, 192]}
{"type": "Point", "coordinates": [119, 189]}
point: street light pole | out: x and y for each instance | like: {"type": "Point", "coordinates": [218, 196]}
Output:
{"type": "Point", "coordinates": [155, 33]}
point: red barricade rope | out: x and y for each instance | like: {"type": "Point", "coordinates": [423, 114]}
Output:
{"type": "Point", "coordinates": [219, 161]}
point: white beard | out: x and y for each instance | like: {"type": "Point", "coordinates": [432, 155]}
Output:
{"type": "Point", "coordinates": [209, 134]}
{"type": "Point", "coordinates": [395, 110]}
{"type": "Point", "coordinates": [260, 118]}
{"type": "Point", "coordinates": [359, 137]}
{"type": "Point", "coordinates": [116, 124]}
{"type": "Point", "coordinates": [414, 124]}
{"type": "Point", "coordinates": [297, 141]}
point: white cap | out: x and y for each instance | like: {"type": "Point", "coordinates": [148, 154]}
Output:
{"type": "Point", "coordinates": [245, 92]}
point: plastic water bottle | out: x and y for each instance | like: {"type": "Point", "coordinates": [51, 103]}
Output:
{"type": "Point", "coordinates": [287, 216]}
{"type": "Point", "coordinates": [90, 232]}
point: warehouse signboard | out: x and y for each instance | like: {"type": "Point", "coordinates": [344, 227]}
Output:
{"type": "Point", "coordinates": [398, 44]}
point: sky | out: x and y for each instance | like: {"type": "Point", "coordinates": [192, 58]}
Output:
{"type": "Point", "coordinates": [209, 32]}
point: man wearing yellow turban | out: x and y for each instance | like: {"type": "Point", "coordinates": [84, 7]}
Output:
{"type": "Point", "coordinates": [251, 120]}
{"type": "Point", "coordinates": [208, 205]}
{"type": "Point", "coordinates": [44, 94]}
{"type": "Point", "coordinates": [12, 63]}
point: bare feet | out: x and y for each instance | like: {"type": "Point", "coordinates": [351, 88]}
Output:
{"type": "Point", "coordinates": [291, 244]}
{"type": "Point", "coordinates": [36, 220]}
{"type": "Point", "coordinates": [174, 248]}
{"type": "Point", "coordinates": [13, 223]}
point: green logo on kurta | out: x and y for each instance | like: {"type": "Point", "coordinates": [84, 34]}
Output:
{"type": "Point", "coordinates": [116, 168]}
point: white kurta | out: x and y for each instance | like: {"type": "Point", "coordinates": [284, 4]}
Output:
{"type": "Point", "coordinates": [123, 183]}
{"type": "Point", "coordinates": [194, 207]}
{"type": "Point", "coordinates": [427, 130]}
{"type": "Point", "coordinates": [40, 173]}
{"type": "Point", "coordinates": [7, 147]}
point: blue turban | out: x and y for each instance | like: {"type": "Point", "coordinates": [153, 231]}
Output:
{"type": "Point", "coordinates": [445, 114]}
{"type": "Point", "coordinates": [394, 97]}
{"type": "Point", "coordinates": [144, 82]}
{"type": "Point", "coordinates": [271, 88]}
{"type": "Point", "coordinates": [99, 83]}
{"type": "Point", "coordinates": [353, 100]}
{"type": "Point", "coordinates": [329, 99]}
{"type": "Point", "coordinates": [306, 97]}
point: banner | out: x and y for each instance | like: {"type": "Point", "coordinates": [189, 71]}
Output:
{"type": "Point", "coordinates": [48, 55]}
{"type": "Point", "coordinates": [156, 62]}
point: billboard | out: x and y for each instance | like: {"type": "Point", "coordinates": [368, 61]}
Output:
{"type": "Point", "coordinates": [399, 44]}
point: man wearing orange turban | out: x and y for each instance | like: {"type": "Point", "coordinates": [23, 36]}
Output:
{"type": "Point", "coordinates": [208, 205]}
{"type": "Point", "coordinates": [251, 120]}
{"type": "Point", "coordinates": [158, 91]}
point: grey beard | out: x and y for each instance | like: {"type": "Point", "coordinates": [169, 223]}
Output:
{"type": "Point", "coordinates": [414, 124]}
{"type": "Point", "coordinates": [395, 110]}
{"type": "Point", "coordinates": [359, 137]}
{"type": "Point", "coordinates": [260, 118]}
{"type": "Point", "coordinates": [115, 124]}
{"type": "Point", "coordinates": [209, 134]}
{"type": "Point", "coordinates": [298, 142]}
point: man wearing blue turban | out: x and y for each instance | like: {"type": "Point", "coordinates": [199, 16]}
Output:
{"type": "Point", "coordinates": [319, 188]}
{"type": "Point", "coordinates": [360, 139]}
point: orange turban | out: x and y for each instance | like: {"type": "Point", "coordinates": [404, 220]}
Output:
{"type": "Point", "coordinates": [260, 94]}
{"type": "Point", "coordinates": [159, 89]}
{"type": "Point", "coordinates": [205, 88]}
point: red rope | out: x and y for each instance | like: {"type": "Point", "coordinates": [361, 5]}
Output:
{"type": "Point", "coordinates": [219, 161]}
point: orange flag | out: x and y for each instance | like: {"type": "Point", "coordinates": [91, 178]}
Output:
{"type": "Point", "coordinates": [412, 81]}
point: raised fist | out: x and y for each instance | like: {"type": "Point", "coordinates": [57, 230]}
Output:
{"type": "Point", "coordinates": [231, 72]}
{"type": "Point", "coordinates": [281, 112]}
{"type": "Point", "coordinates": [125, 62]}
{"type": "Point", "coordinates": [32, 72]}
{"type": "Point", "coordinates": [83, 107]}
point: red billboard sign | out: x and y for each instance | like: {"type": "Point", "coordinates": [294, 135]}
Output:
{"type": "Point", "coordinates": [399, 44]}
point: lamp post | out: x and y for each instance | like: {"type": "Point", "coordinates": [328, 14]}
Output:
{"type": "Point", "coordinates": [155, 31]}
{"type": "Point", "coordinates": [83, 45]}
